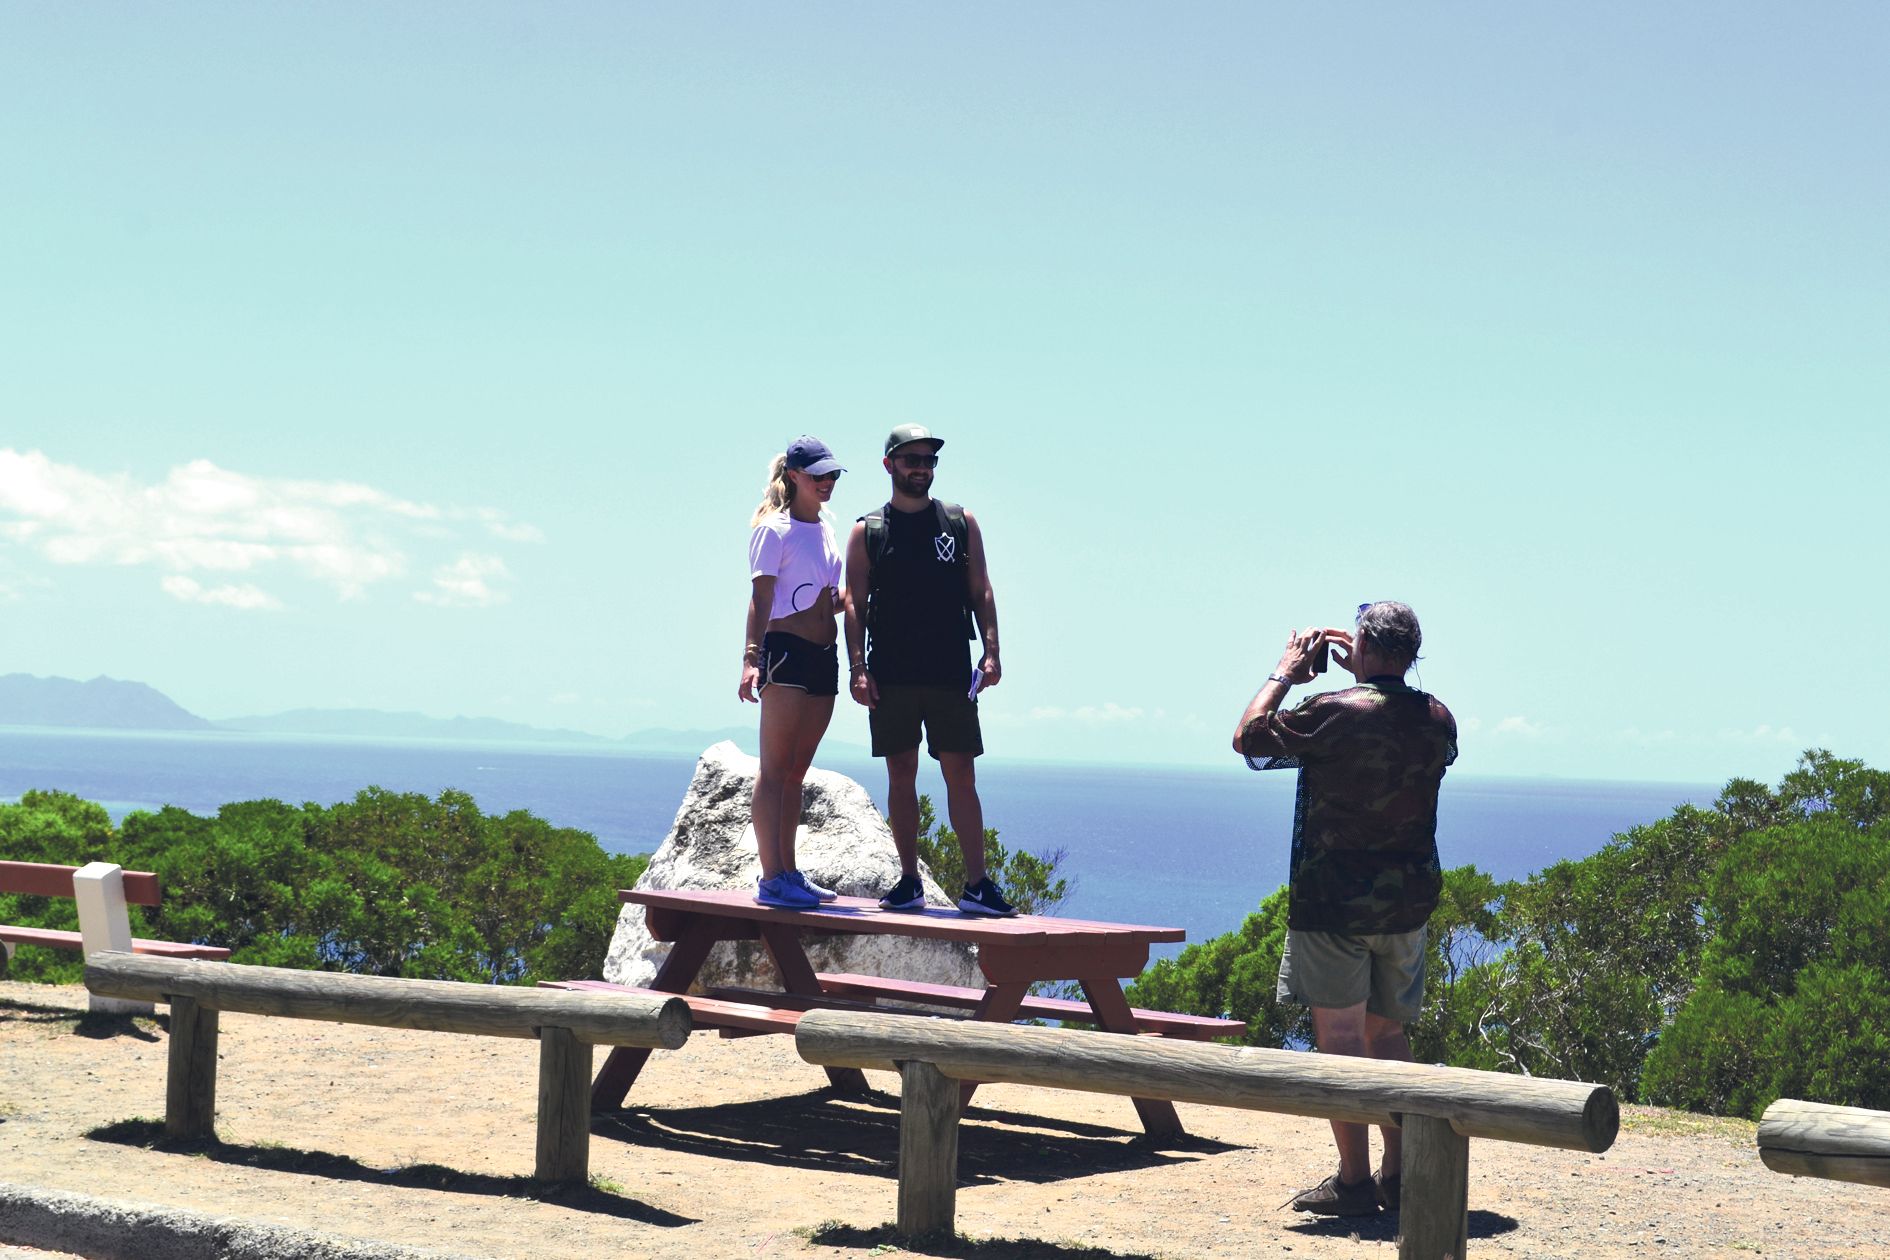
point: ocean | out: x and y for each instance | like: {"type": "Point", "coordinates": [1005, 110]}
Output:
{"type": "Point", "coordinates": [1188, 848]}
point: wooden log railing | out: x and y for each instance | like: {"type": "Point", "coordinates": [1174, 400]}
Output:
{"type": "Point", "coordinates": [1808, 1139]}
{"type": "Point", "coordinates": [1440, 1109]}
{"type": "Point", "coordinates": [566, 1026]}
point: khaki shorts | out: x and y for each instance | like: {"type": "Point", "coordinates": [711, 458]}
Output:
{"type": "Point", "coordinates": [1334, 969]}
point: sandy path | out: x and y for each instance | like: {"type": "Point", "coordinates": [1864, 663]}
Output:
{"type": "Point", "coordinates": [731, 1149]}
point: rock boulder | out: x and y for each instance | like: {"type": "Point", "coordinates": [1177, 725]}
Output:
{"type": "Point", "coordinates": [842, 843]}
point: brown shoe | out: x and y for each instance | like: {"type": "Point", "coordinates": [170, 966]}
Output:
{"type": "Point", "coordinates": [1333, 1197]}
{"type": "Point", "coordinates": [1390, 1189]}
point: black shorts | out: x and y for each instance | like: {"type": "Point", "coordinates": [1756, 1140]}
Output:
{"type": "Point", "coordinates": [950, 719]}
{"type": "Point", "coordinates": [791, 661]}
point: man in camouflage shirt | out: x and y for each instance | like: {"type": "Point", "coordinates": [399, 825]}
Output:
{"type": "Point", "coordinates": [1364, 873]}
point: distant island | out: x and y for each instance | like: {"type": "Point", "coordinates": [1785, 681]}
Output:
{"type": "Point", "coordinates": [117, 705]}
{"type": "Point", "coordinates": [100, 703]}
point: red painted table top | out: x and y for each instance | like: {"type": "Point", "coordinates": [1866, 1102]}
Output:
{"type": "Point", "coordinates": [863, 916]}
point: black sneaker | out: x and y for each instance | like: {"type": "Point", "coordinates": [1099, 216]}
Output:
{"type": "Point", "coordinates": [907, 894]}
{"type": "Point", "coordinates": [1390, 1190]}
{"type": "Point", "coordinates": [984, 898]}
{"type": "Point", "coordinates": [1333, 1197]}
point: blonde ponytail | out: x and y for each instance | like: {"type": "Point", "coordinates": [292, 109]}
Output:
{"type": "Point", "coordinates": [780, 490]}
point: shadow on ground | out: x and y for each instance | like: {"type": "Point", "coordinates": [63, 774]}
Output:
{"type": "Point", "coordinates": [85, 1023]}
{"type": "Point", "coordinates": [581, 1197]}
{"type": "Point", "coordinates": [859, 1133]}
{"type": "Point", "coordinates": [885, 1239]}
{"type": "Point", "coordinates": [1384, 1226]}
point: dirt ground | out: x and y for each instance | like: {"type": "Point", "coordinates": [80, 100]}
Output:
{"type": "Point", "coordinates": [733, 1148]}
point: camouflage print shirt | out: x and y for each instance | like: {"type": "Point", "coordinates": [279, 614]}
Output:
{"type": "Point", "coordinates": [1370, 759]}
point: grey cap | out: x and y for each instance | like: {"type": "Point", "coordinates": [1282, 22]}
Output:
{"type": "Point", "coordinates": [906, 434]}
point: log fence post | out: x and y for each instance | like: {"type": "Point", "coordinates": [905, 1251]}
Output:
{"type": "Point", "coordinates": [567, 1026]}
{"type": "Point", "coordinates": [928, 1149]}
{"type": "Point", "coordinates": [1434, 1211]}
{"type": "Point", "coordinates": [1808, 1139]}
{"type": "Point", "coordinates": [564, 1106]}
{"type": "Point", "coordinates": [190, 1085]}
{"type": "Point", "coordinates": [1439, 1108]}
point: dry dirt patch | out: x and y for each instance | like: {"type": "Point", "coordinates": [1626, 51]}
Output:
{"type": "Point", "coordinates": [732, 1148]}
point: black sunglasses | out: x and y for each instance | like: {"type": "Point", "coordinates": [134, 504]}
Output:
{"type": "Point", "coordinates": [917, 461]}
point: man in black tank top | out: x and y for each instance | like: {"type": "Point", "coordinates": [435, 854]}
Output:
{"type": "Point", "coordinates": [916, 584]}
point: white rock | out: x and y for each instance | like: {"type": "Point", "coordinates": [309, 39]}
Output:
{"type": "Point", "coordinates": [842, 843]}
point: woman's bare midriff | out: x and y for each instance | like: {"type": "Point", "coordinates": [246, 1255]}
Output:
{"type": "Point", "coordinates": [815, 624]}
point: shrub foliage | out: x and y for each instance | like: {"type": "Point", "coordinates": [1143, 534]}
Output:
{"type": "Point", "coordinates": [1714, 960]}
{"type": "Point", "coordinates": [392, 884]}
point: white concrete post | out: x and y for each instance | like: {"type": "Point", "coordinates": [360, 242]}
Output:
{"type": "Point", "coordinates": [105, 923]}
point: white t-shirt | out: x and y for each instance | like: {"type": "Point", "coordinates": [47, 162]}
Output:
{"type": "Point", "coordinates": [801, 556]}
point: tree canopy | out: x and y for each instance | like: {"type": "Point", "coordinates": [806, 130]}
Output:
{"type": "Point", "coordinates": [1715, 960]}
{"type": "Point", "coordinates": [394, 884]}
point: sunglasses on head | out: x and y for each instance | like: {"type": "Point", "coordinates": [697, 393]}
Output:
{"type": "Point", "coordinates": [917, 461]}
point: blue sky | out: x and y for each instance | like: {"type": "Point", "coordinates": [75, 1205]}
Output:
{"type": "Point", "coordinates": [429, 356]}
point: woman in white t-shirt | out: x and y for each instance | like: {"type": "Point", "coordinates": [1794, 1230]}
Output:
{"type": "Point", "coordinates": [791, 664]}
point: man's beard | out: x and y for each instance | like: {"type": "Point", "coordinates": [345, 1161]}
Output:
{"type": "Point", "coordinates": [915, 484]}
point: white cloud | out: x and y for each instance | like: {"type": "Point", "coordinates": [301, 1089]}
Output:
{"type": "Point", "coordinates": [1518, 726]}
{"type": "Point", "coordinates": [202, 519]}
{"type": "Point", "coordinates": [191, 591]}
{"type": "Point", "coordinates": [467, 582]}
{"type": "Point", "coordinates": [1090, 714]}
{"type": "Point", "coordinates": [1763, 733]}
{"type": "Point", "coordinates": [510, 531]}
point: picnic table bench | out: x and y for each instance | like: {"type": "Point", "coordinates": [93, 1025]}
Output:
{"type": "Point", "coordinates": [1013, 954]}
{"type": "Point", "coordinates": [103, 891]}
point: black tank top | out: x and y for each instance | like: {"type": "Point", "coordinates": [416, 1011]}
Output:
{"type": "Point", "coordinates": [918, 617]}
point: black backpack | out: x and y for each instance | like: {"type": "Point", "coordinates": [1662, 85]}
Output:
{"type": "Point", "coordinates": [951, 520]}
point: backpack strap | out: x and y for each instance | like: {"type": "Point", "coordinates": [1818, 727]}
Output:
{"type": "Point", "coordinates": [951, 519]}
{"type": "Point", "coordinates": [875, 522]}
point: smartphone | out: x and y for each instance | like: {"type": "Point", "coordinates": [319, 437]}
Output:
{"type": "Point", "coordinates": [977, 681]}
{"type": "Point", "coordinates": [1320, 656]}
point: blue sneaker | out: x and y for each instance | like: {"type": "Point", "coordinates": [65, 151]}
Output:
{"type": "Point", "coordinates": [783, 894]}
{"type": "Point", "coordinates": [821, 894]}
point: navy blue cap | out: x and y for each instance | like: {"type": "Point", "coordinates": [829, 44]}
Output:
{"type": "Point", "coordinates": [810, 455]}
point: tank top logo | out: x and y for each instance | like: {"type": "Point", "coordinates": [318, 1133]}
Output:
{"type": "Point", "coordinates": [946, 546]}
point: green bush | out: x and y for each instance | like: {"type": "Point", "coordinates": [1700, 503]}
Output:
{"type": "Point", "coordinates": [1714, 959]}
{"type": "Point", "coordinates": [386, 884]}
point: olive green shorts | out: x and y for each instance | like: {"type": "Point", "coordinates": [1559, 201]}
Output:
{"type": "Point", "coordinates": [948, 717]}
{"type": "Point", "coordinates": [1335, 969]}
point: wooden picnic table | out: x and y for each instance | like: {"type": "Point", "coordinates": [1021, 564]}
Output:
{"type": "Point", "coordinates": [1012, 953]}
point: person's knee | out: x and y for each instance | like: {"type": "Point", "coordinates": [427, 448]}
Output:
{"type": "Point", "coordinates": [902, 768]}
{"type": "Point", "coordinates": [1385, 1038]}
{"type": "Point", "coordinates": [960, 772]}
{"type": "Point", "coordinates": [1348, 1041]}
{"type": "Point", "coordinates": [1339, 1030]}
